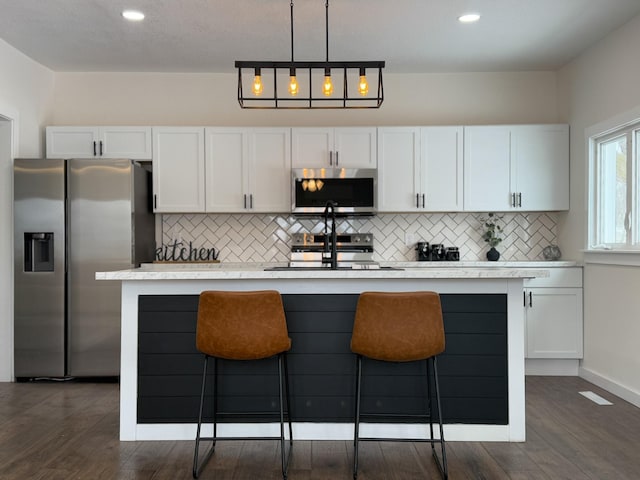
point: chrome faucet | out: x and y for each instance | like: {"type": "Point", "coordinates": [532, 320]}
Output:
{"type": "Point", "coordinates": [332, 258]}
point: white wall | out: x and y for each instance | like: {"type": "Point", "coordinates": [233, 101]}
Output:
{"type": "Point", "coordinates": [25, 97]}
{"type": "Point", "coordinates": [210, 99]}
{"type": "Point", "coordinates": [601, 84]}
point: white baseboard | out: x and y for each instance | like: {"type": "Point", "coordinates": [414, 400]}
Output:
{"type": "Point", "coordinates": [609, 385]}
{"type": "Point", "coordinates": [552, 367]}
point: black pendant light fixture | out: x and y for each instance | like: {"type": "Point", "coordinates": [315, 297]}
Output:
{"type": "Point", "coordinates": [309, 85]}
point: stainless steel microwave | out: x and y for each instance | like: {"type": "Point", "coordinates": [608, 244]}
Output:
{"type": "Point", "coordinates": [353, 191]}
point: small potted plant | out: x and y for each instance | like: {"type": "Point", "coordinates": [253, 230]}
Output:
{"type": "Point", "coordinates": [491, 234]}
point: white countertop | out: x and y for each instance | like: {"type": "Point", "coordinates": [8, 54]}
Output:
{"type": "Point", "coordinates": [414, 270]}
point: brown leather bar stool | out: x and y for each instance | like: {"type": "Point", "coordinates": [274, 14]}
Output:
{"type": "Point", "coordinates": [242, 326]}
{"type": "Point", "coordinates": [400, 327]}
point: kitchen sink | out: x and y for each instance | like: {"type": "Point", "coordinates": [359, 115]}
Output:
{"type": "Point", "coordinates": [320, 269]}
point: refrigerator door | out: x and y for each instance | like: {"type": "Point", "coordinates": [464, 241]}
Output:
{"type": "Point", "coordinates": [39, 267]}
{"type": "Point", "coordinates": [99, 239]}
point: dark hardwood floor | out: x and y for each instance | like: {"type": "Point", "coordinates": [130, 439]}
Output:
{"type": "Point", "coordinates": [70, 431]}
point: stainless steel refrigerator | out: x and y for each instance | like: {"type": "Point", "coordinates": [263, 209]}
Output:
{"type": "Point", "coordinates": [73, 218]}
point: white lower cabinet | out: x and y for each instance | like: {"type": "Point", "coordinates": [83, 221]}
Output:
{"type": "Point", "coordinates": [554, 315]}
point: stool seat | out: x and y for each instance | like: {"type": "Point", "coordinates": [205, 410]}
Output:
{"type": "Point", "coordinates": [400, 327]}
{"type": "Point", "coordinates": [241, 325]}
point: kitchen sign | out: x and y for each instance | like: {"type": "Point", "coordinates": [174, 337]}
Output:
{"type": "Point", "coordinates": [180, 252]}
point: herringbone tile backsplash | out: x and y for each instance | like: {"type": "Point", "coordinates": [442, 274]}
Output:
{"type": "Point", "coordinates": [266, 238]}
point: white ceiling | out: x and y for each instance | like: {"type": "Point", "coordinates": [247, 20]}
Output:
{"type": "Point", "coordinates": [209, 35]}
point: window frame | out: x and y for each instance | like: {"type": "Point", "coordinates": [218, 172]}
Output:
{"type": "Point", "coordinates": [631, 132]}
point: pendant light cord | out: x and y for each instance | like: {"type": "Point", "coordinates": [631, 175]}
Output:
{"type": "Point", "coordinates": [327, 27]}
{"type": "Point", "coordinates": [292, 31]}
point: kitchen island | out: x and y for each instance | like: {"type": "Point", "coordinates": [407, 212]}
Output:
{"type": "Point", "coordinates": [482, 369]}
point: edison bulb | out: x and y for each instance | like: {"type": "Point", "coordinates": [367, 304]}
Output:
{"type": "Point", "coordinates": [293, 86]}
{"type": "Point", "coordinates": [363, 85]}
{"type": "Point", "coordinates": [257, 83]}
{"type": "Point", "coordinates": [327, 86]}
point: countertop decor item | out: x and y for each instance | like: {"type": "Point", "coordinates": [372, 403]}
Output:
{"type": "Point", "coordinates": [491, 234]}
{"type": "Point", "coordinates": [551, 252]}
{"type": "Point", "coordinates": [351, 91]}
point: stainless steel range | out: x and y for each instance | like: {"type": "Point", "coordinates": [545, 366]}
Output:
{"type": "Point", "coordinates": [354, 250]}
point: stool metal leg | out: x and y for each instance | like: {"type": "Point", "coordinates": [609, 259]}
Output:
{"type": "Point", "coordinates": [356, 422]}
{"type": "Point", "coordinates": [282, 362]}
{"type": "Point", "coordinates": [287, 396]}
{"type": "Point", "coordinates": [442, 466]}
{"type": "Point", "coordinates": [284, 396]}
{"type": "Point", "coordinates": [197, 469]}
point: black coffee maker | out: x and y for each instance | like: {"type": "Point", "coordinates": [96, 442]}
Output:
{"type": "Point", "coordinates": [424, 252]}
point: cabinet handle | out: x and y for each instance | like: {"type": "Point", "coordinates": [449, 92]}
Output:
{"type": "Point", "coordinates": [330, 158]}
{"type": "Point", "coordinates": [423, 200]}
{"type": "Point", "coordinates": [337, 159]}
{"type": "Point", "coordinates": [251, 200]}
{"type": "Point", "coordinates": [524, 298]}
{"type": "Point", "coordinates": [155, 202]}
{"type": "Point", "coordinates": [245, 200]}
{"type": "Point", "coordinates": [417, 200]}
{"type": "Point", "coordinates": [520, 199]}
{"type": "Point", "coordinates": [100, 147]}
{"type": "Point", "coordinates": [94, 149]}
{"type": "Point", "coordinates": [530, 299]}
{"type": "Point", "coordinates": [513, 199]}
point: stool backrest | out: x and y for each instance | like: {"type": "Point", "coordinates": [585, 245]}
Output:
{"type": "Point", "coordinates": [398, 326]}
{"type": "Point", "coordinates": [241, 325]}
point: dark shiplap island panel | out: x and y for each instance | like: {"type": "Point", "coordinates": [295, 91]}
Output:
{"type": "Point", "coordinates": [473, 368]}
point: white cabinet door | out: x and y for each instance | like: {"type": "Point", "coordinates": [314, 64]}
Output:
{"type": "Point", "coordinates": [554, 322]}
{"type": "Point", "coordinates": [312, 147]}
{"type": "Point", "coordinates": [541, 174]}
{"type": "Point", "coordinates": [487, 168]}
{"type": "Point", "coordinates": [178, 169]}
{"type": "Point", "coordinates": [398, 169]}
{"type": "Point", "coordinates": [419, 169]}
{"type": "Point", "coordinates": [270, 170]}
{"type": "Point", "coordinates": [126, 142]}
{"type": "Point", "coordinates": [355, 147]}
{"type": "Point", "coordinates": [441, 179]}
{"type": "Point", "coordinates": [349, 147]}
{"type": "Point", "coordinates": [72, 142]}
{"type": "Point", "coordinates": [248, 170]}
{"type": "Point", "coordinates": [99, 142]}
{"type": "Point", "coordinates": [227, 153]}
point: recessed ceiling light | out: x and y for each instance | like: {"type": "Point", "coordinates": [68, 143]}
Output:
{"type": "Point", "coordinates": [469, 18]}
{"type": "Point", "coordinates": [133, 15]}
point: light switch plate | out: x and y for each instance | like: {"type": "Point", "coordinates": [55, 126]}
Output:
{"type": "Point", "coordinates": [409, 239]}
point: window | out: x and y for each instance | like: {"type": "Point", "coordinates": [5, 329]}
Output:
{"type": "Point", "coordinates": [614, 211]}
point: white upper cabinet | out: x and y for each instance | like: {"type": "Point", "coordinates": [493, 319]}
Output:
{"type": "Point", "coordinates": [99, 142]}
{"type": "Point", "coordinates": [487, 168]}
{"type": "Point", "coordinates": [518, 167]}
{"type": "Point", "coordinates": [178, 169]}
{"type": "Point", "coordinates": [420, 169]}
{"type": "Point", "coordinates": [248, 170]}
{"type": "Point", "coordinates": [348, 147]}
{"type": "Point", "coordinates": [541, 157]}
